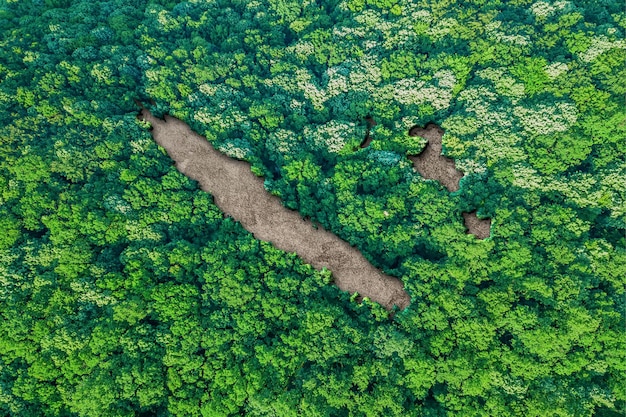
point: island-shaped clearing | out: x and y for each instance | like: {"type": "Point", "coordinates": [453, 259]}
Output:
{"type": "Point", "coordinates": [240, 194]}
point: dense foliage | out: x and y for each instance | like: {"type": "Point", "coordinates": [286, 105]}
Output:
{"type": "Point", "coordinates": [125, 292]}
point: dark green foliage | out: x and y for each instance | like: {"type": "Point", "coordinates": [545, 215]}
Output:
{"type": "Point", "coordinates": [125, 292]}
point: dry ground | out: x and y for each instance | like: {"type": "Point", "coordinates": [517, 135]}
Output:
{"type": "Point", "coordinates": [480, 228]}
{"type": "Point", "coordinates": [240, 194]}
{"type": "Point", "coordinates": [431, 164]}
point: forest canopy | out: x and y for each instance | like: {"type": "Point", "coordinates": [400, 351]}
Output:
{"type": "Point", "coordinates": [126, 292]}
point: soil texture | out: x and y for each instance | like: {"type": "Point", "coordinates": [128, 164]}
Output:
{"type": "Point", "coordinates": [430, 163]}
{"type": "Point", "coordinates": [480, 228]}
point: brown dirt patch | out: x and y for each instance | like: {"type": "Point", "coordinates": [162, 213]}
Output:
{"type": "Point", "coordinates": [240, 194]}
{"type": "Point", "coordinates": [430, 163]}
{"type": "Point", "coordinates": [481, 228]}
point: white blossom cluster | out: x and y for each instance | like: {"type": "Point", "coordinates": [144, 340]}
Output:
{"type": "Point", "coordinates": [399, 39]}
{"type": "Point", "coordinates": [511, 385]}
{"type": "Point", "coordinates": [587, 191]}
{"type": "Point", "coordinates": [351, 75]}
{"type": "Point", "coordinates": [303, 82]}
{"type": "Point", "coordinates": [331, 136]}
{"type": "Point", "coordinates": [63, 339]}
{"type": "Point", "coordinates": [109, 124]}
{"type": "Point", "coordinates": [420, 15]}
{"type": "Point", "coordinates": [9, 279]}
{"type": "Point", "coordinates": [599, 45]}
{"type": "Point", "coordinates": [314, 94]}
{"type": "Point", "coordinates": [491, 74]}
{"type": "Point", "coordinates": [504, 84]}
{"type": "Point", "coordinates": [469, 166]}
{"type": "Point", "coordinates": [442, 27]}
{"type": "Point", "coordinates": [145, 61]}
{"type": "Point", "coordinates": [195, 99]}
{"type": "Point", "coordinates": [492, 29]}
{"type": "Point", "coordinates": [366, 74]}
{"type": "Point", "coordinates": [555, 69]}
{"type": "Point", "coordinates": [545, 120]}
{"type": "Point", "coordinates": [368, 45]}
{"type": "Point", "coordinates": [301, 49]}
{"type": "Point", "coordinates": [411, 91]}
{"type": "Point", "coordinates": [141, 145]}
{"type": "Point", "coordinates": [498, 118]}
{"type": "Point", "coordinates": [208, 89]}
{"type": "Point", "coordinates": [525, 176]}
{"type": "Point", "coordinates": [495, 144]}
{"type": "Point", "coordinates": [221, 95]}
{"type": "Point", "coordinates": [543, 9]}
{"type": "Point", "coordinates": [437, 97]}
{"type": "Point", "coordinates": [579, 188]}
{"type": "Point", "coordinates": [284, 82]}
{"type": "Point", "coordinates": [480, 101]}
{"type": "Point", "coordinates": [445, 79]}
{"type": "Point", "coordinates": [229, 119]}
{"type": "Point", "coordinates": [407, 91]}
{"type": "Point", "coordinates": [336, 80]}
{"type": "Point", "coordinates": [477, 94]}
{"type": "Point", "coordinates": [372, 19]}
{"type": "Point", "coordinates": [297, 106]}
{"type": "Point", "coordinates": [219, 111]}
{"type": "Point", "coordinates": [254, 5]}
{"type": "Point", "coordinates": [205, 116]}
{"type": "Point", "coordinates": [281, 141]}
{"type": "Point", "coordinates": [511, 39]}
{"type": "Point", "coordinates": [236, 148]}
{"type": "Point", "coordinates": [493, 26]}
{"type": "Point", "coordinates": [614, 184]}
{"type": "Point", "coordinates": [343, 31]}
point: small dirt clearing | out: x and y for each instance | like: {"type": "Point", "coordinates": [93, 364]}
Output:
{"type": "Point", "coordinates": [240, 194]}
{"type": "Point", "coordinates": [480, 228]}
{"type": "Point", "coordinates": [431, 164]}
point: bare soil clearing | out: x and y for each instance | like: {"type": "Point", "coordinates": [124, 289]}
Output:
{"type": "Point", "coordinates": [240, 194]}
{"type": "Point", "coordinates": [480, 228]}
{"type": "Point", "coordinates": [431, 164]}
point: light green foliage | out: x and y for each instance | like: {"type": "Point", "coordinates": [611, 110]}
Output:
{"type": "Point", "coordinates": [125, 292]}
